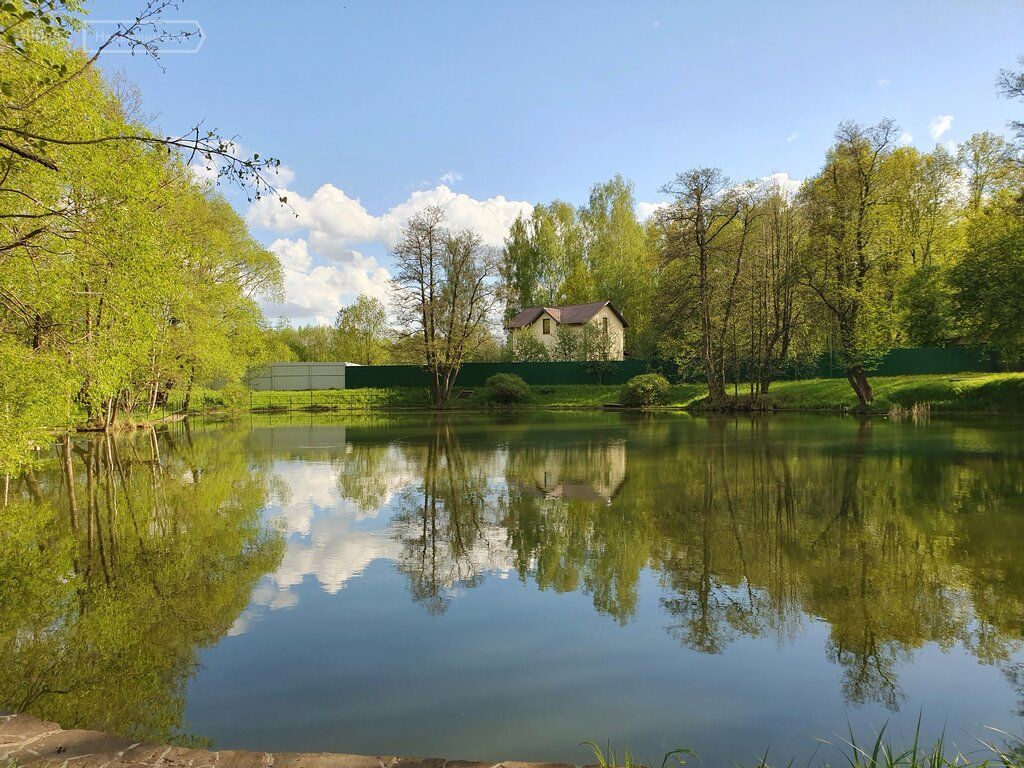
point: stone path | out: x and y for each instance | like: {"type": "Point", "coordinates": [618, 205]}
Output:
{"type": "Point", "coordinates": [26, 741]}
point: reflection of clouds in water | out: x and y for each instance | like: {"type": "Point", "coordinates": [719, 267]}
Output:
{"type": "Point", "coordinates": [334, 539]}
{"type": "Point", "coordinates": [325, 537]}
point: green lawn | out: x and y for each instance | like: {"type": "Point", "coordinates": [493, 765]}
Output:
{"type": "Point", "coordinates": [964, 393]}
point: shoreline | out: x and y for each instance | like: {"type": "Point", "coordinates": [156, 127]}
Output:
{"type": "Point", "coordinates": [28, 741]}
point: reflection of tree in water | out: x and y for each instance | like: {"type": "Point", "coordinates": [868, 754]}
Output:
{"type": "Point", "coordinates": [121, 559]}
{"type": "Point", "coordinates": [447, 540]}
{"type": "Point", "coordinates": [750, 537]}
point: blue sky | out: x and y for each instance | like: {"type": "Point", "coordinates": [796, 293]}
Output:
{"type": "Point", "coordinates": [510, 103]}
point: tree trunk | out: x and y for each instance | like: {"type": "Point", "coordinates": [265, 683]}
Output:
{"type": "Point", "coordinates": [859, 381]}
{"type": "Point", "coordinates": [188, 394]}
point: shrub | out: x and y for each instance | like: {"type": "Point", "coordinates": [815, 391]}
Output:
{"type": "Point", "coordinates": [527, 348]}
{"type": "Point", "coordinates": [507, 389]}
{"type": "Point", "coordinates": [644, 390]}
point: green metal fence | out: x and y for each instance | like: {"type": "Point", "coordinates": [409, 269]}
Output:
{"type": "Point", "coordinates": [897, 362]}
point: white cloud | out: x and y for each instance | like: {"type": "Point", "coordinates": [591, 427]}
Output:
{"type": "Point", "coordinates": [883, 82]}
{"type": "Point", "coordinates": [786, 183]}
{"type": "Point", "coordinates": [939, 125]}
{"type": "Point", "coordinates": [450, 177]}
{"type": "Point", "coordinates": [905, 139]}
{"type": "Point", "coordinates": [293, 254]}
{"type": "Point", "coordinates": [644, 211]}
{"type": "Point", "coordinates": [793, 136]}
{"type": "Point", "coordinates": [322, 272]}
{"type": "Point", "coordinates": [316, 293]}
{"type": "Point", "coordinates": [335, 219]}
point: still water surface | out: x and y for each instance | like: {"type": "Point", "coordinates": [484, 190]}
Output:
{"type": "Point", "coordinates": [487, 588]}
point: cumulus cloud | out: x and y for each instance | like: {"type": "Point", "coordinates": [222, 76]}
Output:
{"type": "Point", "coordinates": [334, 219]}
{"type": "Point", "coordinates": [883, 82]}
{"type": "Point", "coordinates": [317, 292]}
{"type": "Point", "coordinates": [321, 271]}
{"type": "Point", "coordinates": [450, 177]}
{"type": "Point", "coordinates": [793, 136]}
{"type": "Point", "coordinates": [939, 125]}
{"type": "Point", "coordinates": [905, 139]}
{"type": "Point", "coordinates": [293, 254]}
{"type": "Point", "coordinates": [783, 181]}
{"type": "Point", "coordinates": [644, 211]}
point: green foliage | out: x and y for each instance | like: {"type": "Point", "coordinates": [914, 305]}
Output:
{"type": "Point", "coordinates": [988, 285]}
{"type": "Point", "coordinates": [363, 332]}
{"type": "Point", "coordinates": [645, 390]}
{"type": "Point", "coordinates": [527, 348]}
{"type": "Point", "coordinates": [235, 398]}
{"type": "Point", "coordinates": [928, 308]}
{"type": "Point", "coordinates": [35, 396]}
{"type": "Point", "coordinates": [507, 389]}
{"type": "Point", "coordinates": [122, 276]}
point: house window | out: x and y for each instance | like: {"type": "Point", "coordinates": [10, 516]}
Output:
{"type": "Point", "coordinates": [604, 324]}
{"type": "Point", "coordinates": [545, 327]}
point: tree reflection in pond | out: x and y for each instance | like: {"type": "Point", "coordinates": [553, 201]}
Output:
{"type": "Point", "coordinates": [119, 559]}
{"type": "Point", "coordinates": [871, 541]}
{"type": "Point", "coordinates": [751, 535]}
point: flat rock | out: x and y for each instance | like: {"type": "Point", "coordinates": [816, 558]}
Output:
{"type": "Point", "coordinates": [29, 741]}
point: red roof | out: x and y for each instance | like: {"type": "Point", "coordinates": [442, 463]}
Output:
{"type": "Point", "coordinates": [570, 314]}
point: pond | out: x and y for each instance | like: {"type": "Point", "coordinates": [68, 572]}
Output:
{"type": "Point", "coordinates": [485, 587]}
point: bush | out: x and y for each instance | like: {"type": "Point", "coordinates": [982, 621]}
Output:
{"type": "Point", "coordinates": [644, 390]}
{"type": "Point", "coordinates": [507, 389]}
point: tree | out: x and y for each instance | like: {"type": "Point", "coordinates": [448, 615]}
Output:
{"type": "Point", "coordinates": [774, 306]}
{"type": "Point", "coordinates": [988, 284]}
{"type": "Point", "coordinates": [990, 164]}
{"type": "Point", "coordinates": [618, 253]}
{"type": "Point", "coordinates": [847, 261]}
{"type": "Point", "coordinates": [363, 330]}
{"type": "Point", "coordinates": [444, 288]}
{"type": "Point", "coordinates": [1011, 85]}
{"type": "Point", "coordinates": [118, 271]}
{"type": "Point", "coordinates": [709, 227]}
{"type": "Point", "coordinates": [527, 348]}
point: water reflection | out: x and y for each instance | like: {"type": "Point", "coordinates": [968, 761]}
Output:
{"type": "Point", "coordinates": [892, 537]}
{"type": "Point", "coordinates": [120, 559]}
{"type": "Point", "coordinates": [896, 542]}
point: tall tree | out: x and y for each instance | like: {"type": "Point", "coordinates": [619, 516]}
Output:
{"type": "Point", "coordinates": [444, 288]}
{"type": "Point", "coordinates": [363, 331]}
{"type": "Point", "coordinates": [848, 207]}
{"type": "Point", "coordinates": [709, 230]}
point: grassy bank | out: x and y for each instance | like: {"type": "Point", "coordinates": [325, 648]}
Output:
{"type": "Point", "coordinates": [981, 393]}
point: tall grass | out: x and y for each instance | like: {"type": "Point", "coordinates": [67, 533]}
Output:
{"type": "Point", "coordinates": [998, 750]}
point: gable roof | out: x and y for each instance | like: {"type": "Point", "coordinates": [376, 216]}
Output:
{"type": "Point", "coordinates": [570, 314]}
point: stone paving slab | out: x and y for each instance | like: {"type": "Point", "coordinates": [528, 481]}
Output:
{"type": "Point", "coordinates": [28, 741]}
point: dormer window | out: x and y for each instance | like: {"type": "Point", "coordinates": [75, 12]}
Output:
{"type": "Point", "coordinates": [545, 326]}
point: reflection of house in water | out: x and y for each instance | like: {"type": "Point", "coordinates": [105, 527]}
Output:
{"type": "Point", "coordinates": [298, 440]}
{"type": "Point", "coordinates": [591, 473]}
